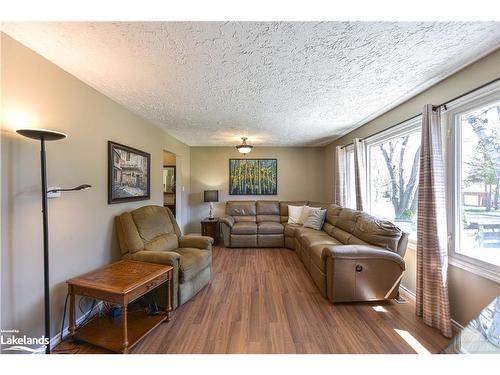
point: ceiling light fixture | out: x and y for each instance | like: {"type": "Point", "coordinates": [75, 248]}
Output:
{"type": "Point", "coordinates": [244, 148]}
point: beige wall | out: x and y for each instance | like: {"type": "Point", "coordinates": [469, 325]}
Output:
{"type": "Point", "coordinates": [168, 158]}
{"type": "Point", "coordinates": [468, 292]}
{"type": "Point", "coordinates": [37, 93]}
{"type": "Point", "coordinates": [300, 176]}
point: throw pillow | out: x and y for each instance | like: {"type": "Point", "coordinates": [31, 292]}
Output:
{"type": "Point", "coordinates": [305, 213]}
{"type": "Point", "coordinates": [294, 214]}
{"type": "Point", "coordinates": [316, 219]}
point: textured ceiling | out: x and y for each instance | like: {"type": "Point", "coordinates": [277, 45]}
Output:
{"type": "Point", "coordinates": [280, 84]}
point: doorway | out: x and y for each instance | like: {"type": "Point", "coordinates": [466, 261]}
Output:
{"type": "Point", "coordinates": [170, 182]}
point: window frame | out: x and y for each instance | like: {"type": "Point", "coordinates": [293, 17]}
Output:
{"type": "Point", "coordinates": [453, 162]}
{"type": "Point", "coordinates": [400, 130]}
{"type": "Point", "coordinates": [349, 199]}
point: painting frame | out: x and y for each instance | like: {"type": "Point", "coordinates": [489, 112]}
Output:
{"type": "Point", "coordinates": [112, 184]}
{"type": "Point", "coordinates": [275, 192]}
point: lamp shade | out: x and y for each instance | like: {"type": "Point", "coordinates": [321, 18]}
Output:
{"type": "Point", "coordinates": [244, 148]}
{"type": "Point", "coordinates": [211, 195]}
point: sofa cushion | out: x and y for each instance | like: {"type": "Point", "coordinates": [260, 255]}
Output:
{"type": "Point", "coordinates": [165, 242]}
{"type": "Point", "coordinates": [332, 214]}
{"type": "Point", "coordinates": [347, 219]}
{"type": "Point", "coordinates": [268, 208]}
{"type": "Point", "coordinates": [270, 227]}
{"type": "Point", "coordinates": [241, 208]}
{"type": "Point", "coordinates": [328, 228]}
{"type": "Point", "coordinates": [284, 208]}
{"type": "Point", "coordinates": [307, 210]}
{"type": "Point", "coordinates": [377, 232]}
{"type": "Point", "coordinates": [343, 236]}
{"type": "Point", "coordinates": [244, 227]}
{"type": "Point", "coordinates": [192, 262]}
{"type": "Point", "coordinates": [275, 218]}
{"type": "Point", "coordinates": [353, 240]}
{"type": "Point", "coordinates": [295, 214]}
{"type": "Point", "coordinates": [290, 229]}
{"type": "Point", "coordinates": [246, 218]}
{"type": "Point", "coordinates": [315, 219]}
{"type": "Point", "coordinates": [301, 231]}
{"type": "Point", "coordinates": [318, 238]}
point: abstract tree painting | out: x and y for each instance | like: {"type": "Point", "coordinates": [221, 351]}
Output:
{"type": "Point", "coordinates": [253, 176]}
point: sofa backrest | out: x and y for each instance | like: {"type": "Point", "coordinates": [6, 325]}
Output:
{"type": "Point", "coordinates": [318, 204]}
{"type": "Point", "coordinates": [242, 210]}
{"type": "Point", "coordinates": [268, 211]}
{"type": "Point", "coordinates": [381, 233]}
{"type": "Point", "coordinates": [356, 227]}
{"type": "Point", "coordinates": [147, 228]}
{"type": "Point", "coordinates": [284, 208]}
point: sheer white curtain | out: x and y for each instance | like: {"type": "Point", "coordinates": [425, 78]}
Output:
{"type": "Point", "coordinates": [359, 172]}
{"type": "Point", "coordinates": [340, 174]}
{"type": "Point", "coordinates": [432, 302]}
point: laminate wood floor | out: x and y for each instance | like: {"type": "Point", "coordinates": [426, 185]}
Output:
{"type": "Point", "coordinates": [263, 301]}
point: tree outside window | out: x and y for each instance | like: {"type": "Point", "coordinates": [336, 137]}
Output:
{"type": "Point", "coordinates": [393, 179]}
{"type": "Point", "coordinates": [479, 183]}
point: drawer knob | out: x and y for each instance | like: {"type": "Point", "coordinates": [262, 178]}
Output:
{"type": "Point", "coordinates": [359, 268]}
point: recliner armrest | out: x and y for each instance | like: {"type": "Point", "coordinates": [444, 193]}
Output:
{"type": "Point", "coordinates": [228, 220]}
{"type": "Point", "coordinates": [361, 252]}
{"type": "Point", "coordinates": [198, 242]}
{"type": "Point", "coordinates": [170, 258]}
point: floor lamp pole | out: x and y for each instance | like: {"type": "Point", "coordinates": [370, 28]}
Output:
{"type": "Point", "coordinates": [43, 165]}
{"type": "Point", "coordinates": [44, 135]}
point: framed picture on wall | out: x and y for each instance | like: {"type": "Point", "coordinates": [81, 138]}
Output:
{"type": "Point", "coordinates": [129, 174]}
{"type": "Point", "coordinates": [253, 176]}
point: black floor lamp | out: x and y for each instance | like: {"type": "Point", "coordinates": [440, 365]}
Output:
{"type": "Point", "coordinates": [46, 135]}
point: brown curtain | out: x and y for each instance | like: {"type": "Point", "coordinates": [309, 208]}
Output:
{"type": "Point", "coordinates": [359, 172]}
{"type": "Point", "coordinates": [432, 256]}
{"type": "Point", "coordinates": [340, 172]}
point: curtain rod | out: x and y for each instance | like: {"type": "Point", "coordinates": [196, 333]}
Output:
{"type": "Point", "coordinates": [434, 108]}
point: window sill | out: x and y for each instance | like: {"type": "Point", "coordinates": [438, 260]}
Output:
{"type": "Point", "coordinates": [473, 267]}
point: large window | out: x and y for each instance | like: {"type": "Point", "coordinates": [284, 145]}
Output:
{"type": "Point", "coordinates": [392, 175]}
{"type": "Point", "coordinates": [475, 183]}
{"type": "Point", "coordinates": [471, 128]}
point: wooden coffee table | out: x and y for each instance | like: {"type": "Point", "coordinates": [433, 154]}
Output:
{"type": "Point", "coordinates": [119, 283]}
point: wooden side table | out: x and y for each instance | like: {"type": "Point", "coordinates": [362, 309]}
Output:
{"type": "Point", "coordinates": [211, 228]}
{"type": "Point", "coordinates": [119, 283]}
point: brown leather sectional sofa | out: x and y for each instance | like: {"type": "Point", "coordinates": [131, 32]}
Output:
{"type": "Point", "coordinates": [355, 257]}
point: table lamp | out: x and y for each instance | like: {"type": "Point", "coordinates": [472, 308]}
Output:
{"type": "Point", "coordinates": [211, 196]}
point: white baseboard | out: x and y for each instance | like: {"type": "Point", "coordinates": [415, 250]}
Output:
{"type": "Point", "coordinates": [408, 292]}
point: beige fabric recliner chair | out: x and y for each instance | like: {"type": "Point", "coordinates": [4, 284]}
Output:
{"type": "Point", "coordinates": [151, 234]}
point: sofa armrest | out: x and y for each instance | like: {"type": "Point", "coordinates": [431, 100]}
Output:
{"type": "Point", "coordinates": [198, 242]}
{"type": "Point", "coordinates": [169, 258]}
{"type": "Point", "coordinates": [362, 252]}
{"type": "Point", "coordinates": [228, 220]}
